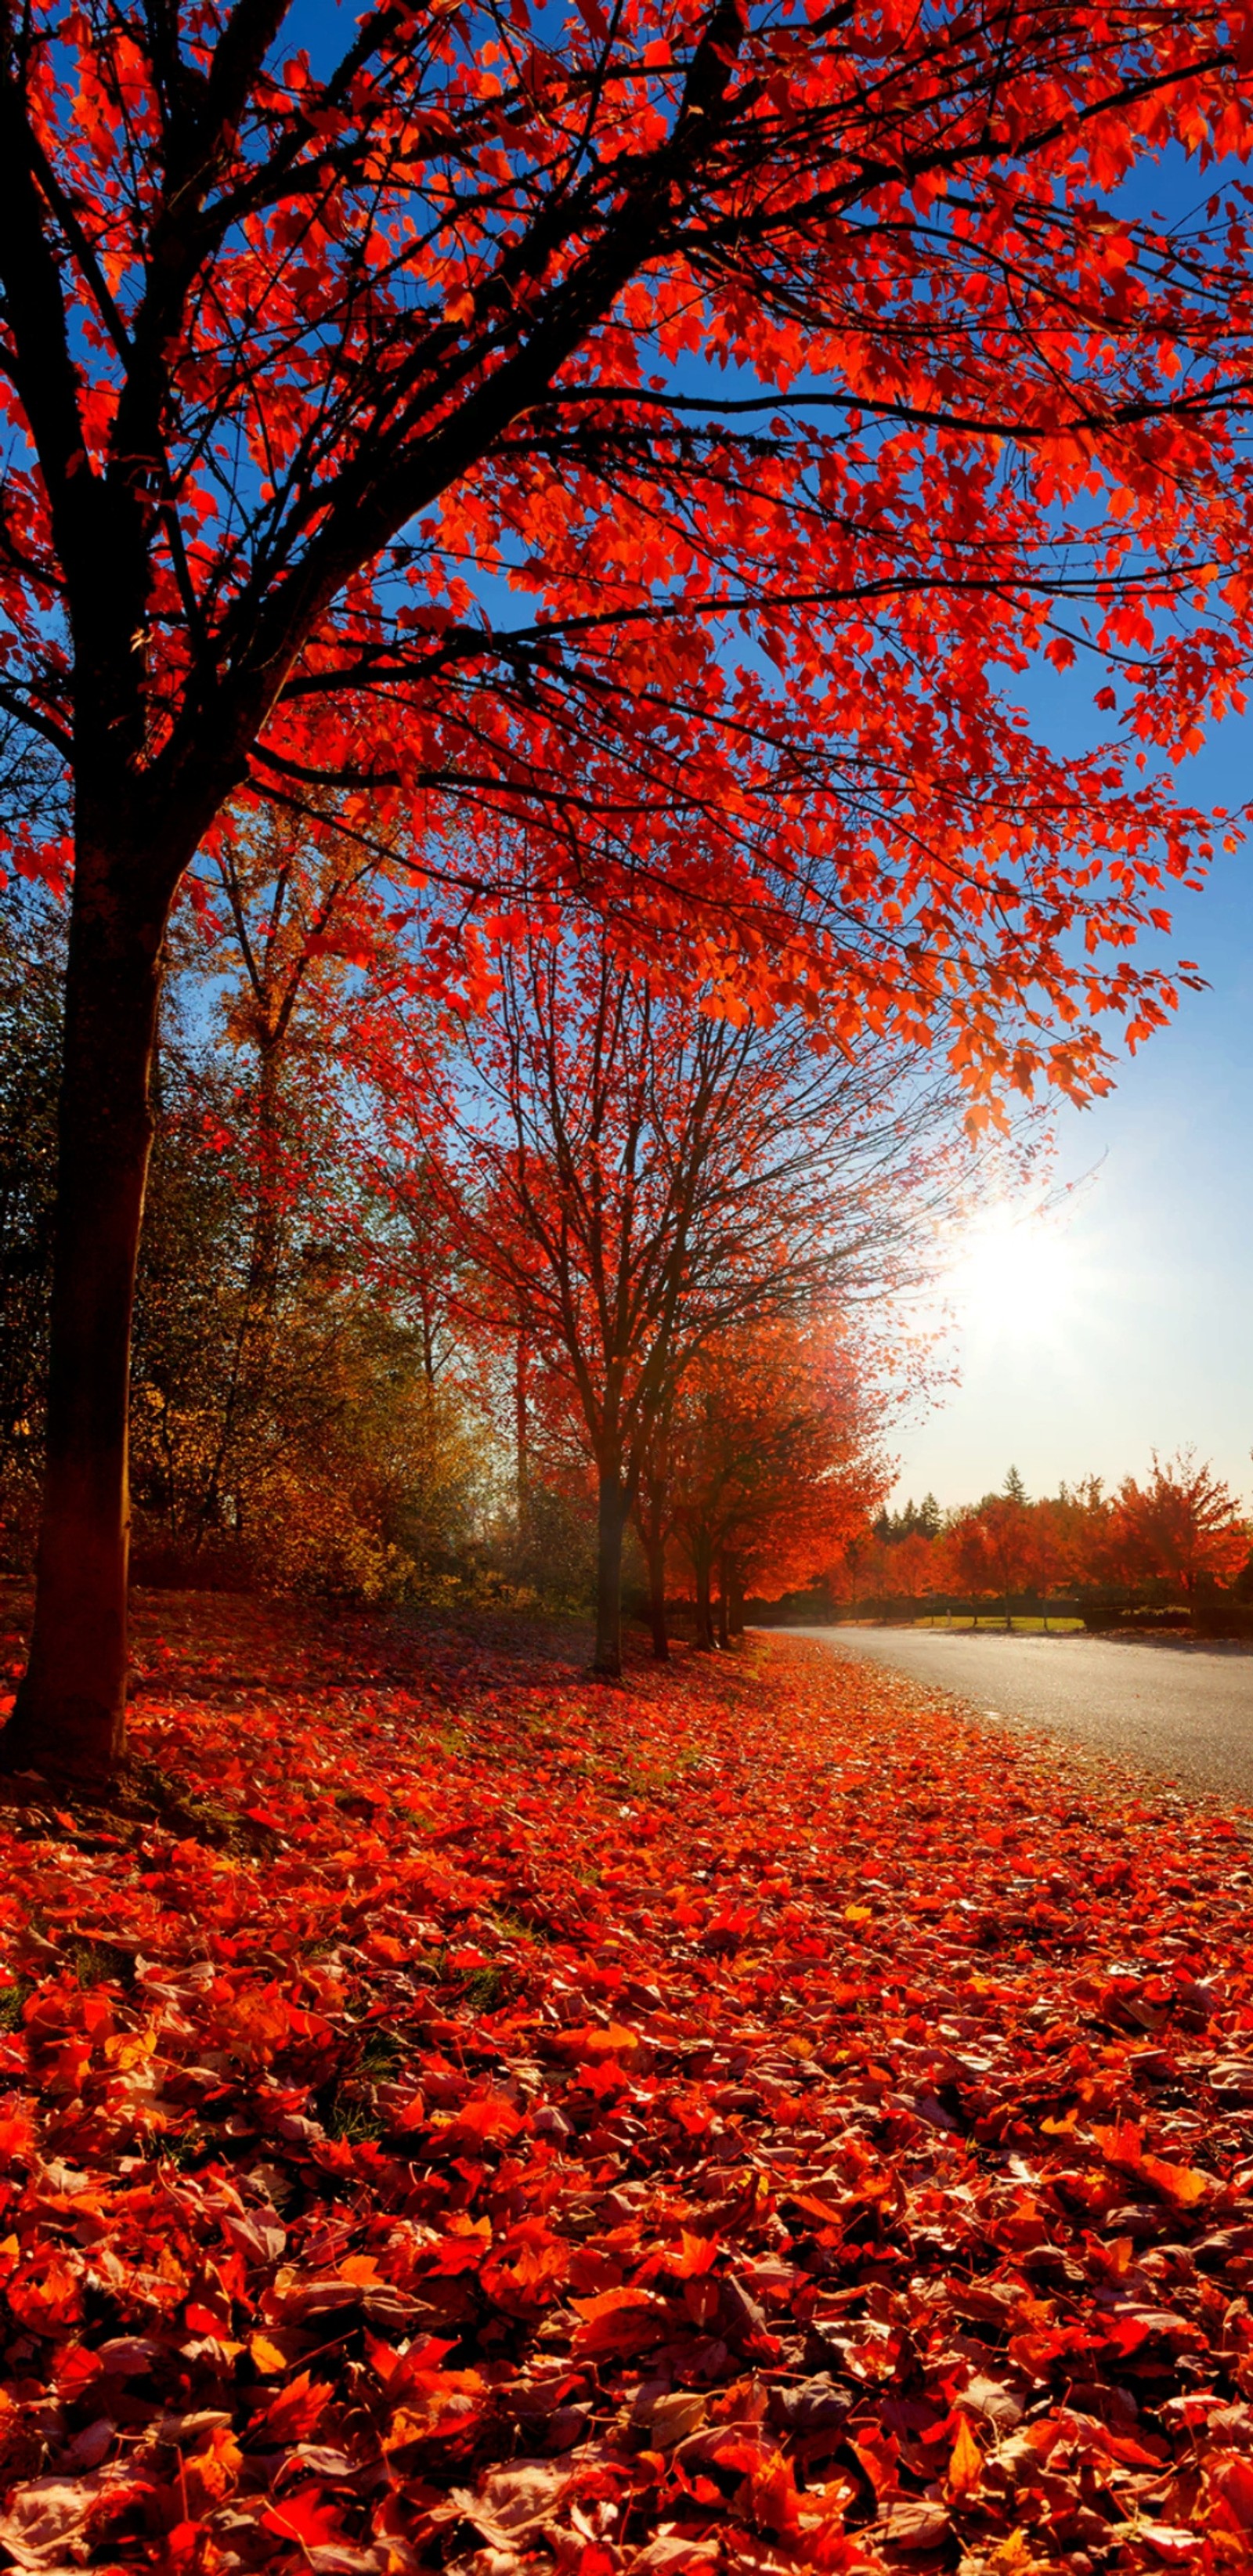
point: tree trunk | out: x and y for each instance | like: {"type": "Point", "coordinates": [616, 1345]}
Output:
{"type": "Point", "coordinates": [69, 1719]}
{"type": "Point", "coordinates": [521, 1421]}
{"type": "Point", "coordinates": [652, 1520]}
{"type": "Point", "coordinates": [724, 1605]}
{"type": "Point", "coordinates": [703, 1568]}
{"type": "Point", "coordinates": [264, 1266]}
{"type": "Point", "coordinates": [255, 1338]}
{"type": "Point", "coordinates": [655, 1551]}
{"type": "Point", "coordinates": [612, 1508]}
{"type": "Point", "coordinates": [737, 1602]}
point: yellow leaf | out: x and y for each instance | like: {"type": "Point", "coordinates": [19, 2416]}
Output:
{"type": "Point", "coordinates": [1184, 2183]}
{"type": "Point", "coordinates": [130, 2048]}
{"type": "Point", "coordinates": [1014, 2556]}
{"type": "Point", "coordinates": [965, 2467]}
{"type": "Point", "coordinates": [265, 2356]}
{"type": "Point", "coordinates": [213, 2472]}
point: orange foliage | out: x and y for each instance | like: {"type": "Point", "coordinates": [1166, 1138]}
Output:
{"type": "Point", "coordinates": [1183, 1525]}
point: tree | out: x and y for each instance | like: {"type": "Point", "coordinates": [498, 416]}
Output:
{"type": "Point", "coordinates": [1075, 1539]}
{"type": "Point", "coordinates": [317, 1453]}
{"type": "Point", "coordinates": [288, 1421]}
{"type": "Point", "coordinates": [287, 343]}
{"type": "Point", "coordinates": [654, 1519]}
{"type": "Point", "coordinates": [911, 1568]}
{"type": "Point", "coordinates": [772, 1463]}
{"type": "Point", "coordinates": [280, 896]}
{"type": "Point", "coordinates": [905, 1563]}
{"type": "Point", "coordinates": [31, 970]}
{"type": "Point", "coordinates": [916, 1520]}
{"type": "Point", "coordinates": [991, 1548]}
{"type": "Point", "coordinates": [636, 1175]}
{"type": "Point", "coordinates": [1052, 1551]}
{"type": "Point", "coordinates": [1183, 1527]}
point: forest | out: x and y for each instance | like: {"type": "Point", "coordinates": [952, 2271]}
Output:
{"type": "Point", "coordinates": [603, 617]}
{"type": "Point", "coordinates": [1176, 1538]}
{"type": "Point", "coordinates": [446, 1307]}
{"type": "Point", "coordinates": [372, 1360]}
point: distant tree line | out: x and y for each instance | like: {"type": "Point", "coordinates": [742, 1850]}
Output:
{"type": "Point", "coordinates": [1180, 1533]}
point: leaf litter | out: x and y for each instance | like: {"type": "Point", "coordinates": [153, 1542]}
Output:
{"type": "Point", "coordinates": [758, 2119]}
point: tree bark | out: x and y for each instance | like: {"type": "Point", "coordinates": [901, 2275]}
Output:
{"type": "Point", "coordinates": [652, 1522]}
{"type": "Point", "coordinates": [655, 1552]}
{"type": "Point", "coordinates": [521, 1419]}
{"type": "Point", "coordinates": [612, 1508]}
{"type": "Point", "coordinates": [264, 1265]}
{"type": "Point", "coordinates": [69, 1717]}
{"type": "Point", "coordinates": [702, 1568]}
{"type": "Point", "coordinates": [737, 1602]}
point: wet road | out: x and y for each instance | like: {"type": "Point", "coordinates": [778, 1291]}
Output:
{"type": "Point", "coordinates": [1167, 1705]}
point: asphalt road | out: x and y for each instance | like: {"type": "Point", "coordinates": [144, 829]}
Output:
{"type": "Point", "coordinates": [1166, 1704]}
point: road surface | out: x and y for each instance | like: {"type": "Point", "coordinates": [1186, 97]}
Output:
{"type": "Point", "coordinates": [1166, 1704]}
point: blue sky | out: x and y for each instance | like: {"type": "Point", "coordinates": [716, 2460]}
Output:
{"type": "Point", "coordinates": [1127, 1323]}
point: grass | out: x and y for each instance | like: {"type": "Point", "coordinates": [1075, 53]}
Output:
{"type": "Point", "coordinates": [1024, 1627]}
{"type": "Point", "coordinates": [12, 1998]}
{"type": "Point", "coordinates": [98, 1963]}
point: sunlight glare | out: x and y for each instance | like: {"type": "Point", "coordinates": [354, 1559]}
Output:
{"type": "Point", "coordinates": [1019, 1277]}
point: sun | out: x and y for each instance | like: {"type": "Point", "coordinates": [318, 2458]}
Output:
{"type": "Point", "coordinates": [1018, 1277]}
